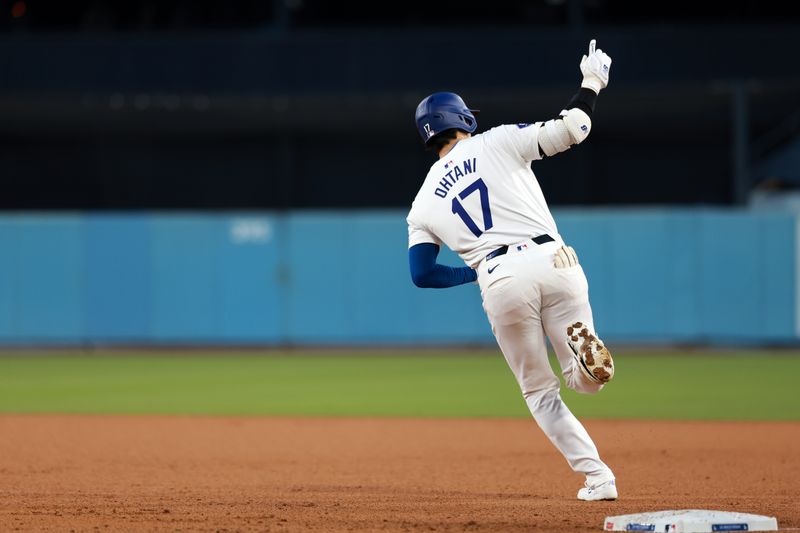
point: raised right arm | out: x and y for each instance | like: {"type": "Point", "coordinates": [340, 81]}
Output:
{"type": "Point", "coordinates": [575, 121]}
{"type": "Point", "coordinates": [535, 141]}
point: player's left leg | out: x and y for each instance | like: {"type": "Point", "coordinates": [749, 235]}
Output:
{"type": "Point", "coordinates": [565, 301]}
{"type": "Point", "coordinates": [515, 306]}
{"type": "Point", "coordinates": [523, 345]}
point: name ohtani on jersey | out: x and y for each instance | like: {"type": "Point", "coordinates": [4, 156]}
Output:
{"type": "Point", "coordinates": [455, 173]}
{"type": "Point", "coordinates": [474, 213]}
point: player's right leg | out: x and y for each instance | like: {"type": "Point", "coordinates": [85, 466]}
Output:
{"type": "Point", "coordinates": [586, 363]}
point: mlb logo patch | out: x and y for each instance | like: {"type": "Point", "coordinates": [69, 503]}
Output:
{"type": "Point", "coordinates": [521, 247]}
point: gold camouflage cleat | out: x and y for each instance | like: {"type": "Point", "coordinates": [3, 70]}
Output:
{"type": "Point", "coordinates": [593, 358]}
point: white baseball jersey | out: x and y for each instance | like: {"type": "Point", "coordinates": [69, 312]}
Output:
{"type": "Point", "coordinates": [483, 195]}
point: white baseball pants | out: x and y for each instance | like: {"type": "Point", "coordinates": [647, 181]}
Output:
{"type": "Point", "coordinates": [526, 298]}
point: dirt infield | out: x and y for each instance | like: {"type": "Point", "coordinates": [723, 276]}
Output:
{"type": "Point", "coordinates": [287, 474]}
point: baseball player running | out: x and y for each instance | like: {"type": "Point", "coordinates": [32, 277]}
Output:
{"type": "Point", "coordinates": [482, 200]}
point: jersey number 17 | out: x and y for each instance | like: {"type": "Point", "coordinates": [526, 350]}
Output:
{"type": "Point", "coordinates": [459, 210]}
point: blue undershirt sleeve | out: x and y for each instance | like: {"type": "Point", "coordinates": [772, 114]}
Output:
{"type": "Point", "coordinates": [426, 273]}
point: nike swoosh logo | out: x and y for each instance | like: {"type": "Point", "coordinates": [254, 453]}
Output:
{"type": "Point", "coordinates": [492, 269]}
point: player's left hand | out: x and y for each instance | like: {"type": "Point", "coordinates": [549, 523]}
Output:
{"type": "Point", "coordinates": [595, 68]}
{"type": "Point", "coordinates": [566, 257]}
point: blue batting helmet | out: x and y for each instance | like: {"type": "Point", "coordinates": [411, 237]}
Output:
{"type": "Point", "coordinates": [444, 111]}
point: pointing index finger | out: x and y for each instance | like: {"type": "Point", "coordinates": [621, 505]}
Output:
{"type": "Point", "coordinates": [592, 45]}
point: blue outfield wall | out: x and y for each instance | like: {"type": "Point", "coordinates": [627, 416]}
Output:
{"type": "Point", "coordinates": [715, 276]}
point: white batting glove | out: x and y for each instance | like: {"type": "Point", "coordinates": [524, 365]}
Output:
{"type": "Point", "coordinates": [566, 257]}
{"type": "Point", "coordinates": [594, 68]}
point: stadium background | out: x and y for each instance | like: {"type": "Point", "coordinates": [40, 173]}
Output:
{"type": "Point", "coordinates": [192, 172]}
{"type": "Point", "coordinates": [203, 213]}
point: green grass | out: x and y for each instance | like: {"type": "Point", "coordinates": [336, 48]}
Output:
{"type": "Point", "coordinates": [669, 385]}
